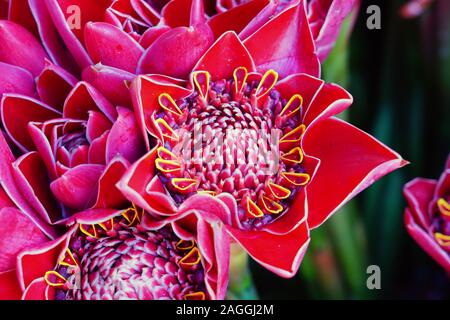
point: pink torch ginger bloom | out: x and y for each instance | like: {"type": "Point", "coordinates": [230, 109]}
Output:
{"type": "Point", "coordinates": [427, 217]}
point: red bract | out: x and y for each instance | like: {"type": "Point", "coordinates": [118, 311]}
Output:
{"type": "Point", "coordinates": [321, 163]}
{"type": "Point", "coordinates": [325, 18]}
{"type": "Point", "coordinates": [122, 255]}
{"type": "Point", "coordinates": [427, 217]}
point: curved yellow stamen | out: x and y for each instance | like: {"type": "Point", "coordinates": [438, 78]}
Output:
{"type": "Point", "coordinates": [191, 259]}
{"type": "Point", "coordinates": [201, 81]}
{"type": "Point", "coordinates": [271, 206]}
{"type": "Point", "coordinates": [268, 81]}
{"type": "Point", "coordinates": [139, 212]}
{"type": "Point", "coordinates": [293, 156]}
{"type": "Point", "coordinates": [62, 281]}
{"type": "Point", "coordinates": [294, 105]}
{"type": "Point", "coordinates": [279, 192]}
{"type": "Point", "coordinates": [165, 154]}
{"type": "Point", "coordinates": [253, 210]}
{"type": "Point", "coordinates": [185, 245]}
{"type": "Point", "coordinates": [167, 130]}
{"type": "Point", "coordinates": [240, 76]}
{"type": "Point", "coordinates": [183, 184]}
{"type": "Point", "coordinates": [195, 296]}
{"type": "Point", "coordinates": [444, 207]}
{"type": "Point", "coordinates": [442, 239]}
{"type": "Point", "coordinates": [297, 179]}
{"type": "Point", "coordinates": [166, 102]}
{"type": "Point", "coordinates": [167, 166]}
{"type": "Point", "coordinates": [92, 234]}
{"type": "Point", "coordinates": [69, 259]}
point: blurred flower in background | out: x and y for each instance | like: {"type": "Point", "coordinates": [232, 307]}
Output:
{"type": "Point", "coordinates": [428, 216]}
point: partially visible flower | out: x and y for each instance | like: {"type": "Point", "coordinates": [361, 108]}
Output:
{"type": "Point", "coordinates": [414, 8]}
{"type": "Point", "coordinates": [110, 255]}
{"type": "Point", "coordinates": [72, 143]}
{"type": "Point", "coordinates": [427, 217]}
{"type": "Point", "coordinates": [324, 16]}
{"type": "Point", "coordinates": [267, 197]}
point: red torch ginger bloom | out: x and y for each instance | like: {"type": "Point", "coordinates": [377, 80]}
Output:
{"type": "Point", "coordinates": [126, 256]}
{"type": "Point", "coordinates": [427, 217]}
{"type": "Point", "coordinates": [325, 18]}
{"type": "Point", "coordinates": [268, 192]}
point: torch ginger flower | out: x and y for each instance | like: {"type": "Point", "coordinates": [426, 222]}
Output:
{"type": "Point", "coordinates": [109, 255]}
{"type": "Point", "coordinates": [427, 217]}
{"type": "Point", "coordinates": [268, 205]}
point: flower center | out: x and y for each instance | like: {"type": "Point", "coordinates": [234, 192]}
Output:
{"type": "Point", "coordinates": [441, 223]}
{"type": "Point", "coordinates": [119, 260]}
{"type": "Point", "coordinates": [238, 136]}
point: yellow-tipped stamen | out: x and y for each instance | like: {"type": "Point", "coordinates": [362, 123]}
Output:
{"type": "Point", "coordinates": [253, 210]}
{"type": "Point", "coordinates": [105, 226]}
{"type": "Point", "coordinates": [294, 156]}
{"type": "Point", "coordinates": [444, 207]}
{"type": "Point", "coordinates": [92, 234]}
{"type": "Point", "coordinates": [193, 258]}
{"type": "Point", "coordinates": [185, 245]}
{"type": "Point", "coordinates": [240, 76]}
{"type": "Point", "coordinates": [201, 82]}
{"type": "Point", "coordinates": [166, 154]}
{"type": "Point", "coordinates": [166, 102]}
{"type": "Point", "coordinates": [69, 259]}
{"type": "Point", "coordinates": [293, 106]}
{"type": "Point", "coordinates": [60, 280]}
{"type": "Point", "coordinates": [183, 184]}
{"type": "Point", "coordinates": [167, 166]}
{"type": "Point", "coordinates": [195, 296]}
{"type": "Point", "coordinates": [268, 81]}
{"type": "Point", "coordinates": [279, 192]}
{"type": "Point", "coordinates": [210, 192]}
{"type": "Point", "coordinates": [442, 239]}
{"type": "Point", "coordinates": [297, 179]}
{"type": "Point", "coordinates": [139, 212]}
{"type": "Point", "coordinates": [131, 215]}
{"type": "Point", "coordinates": [167, 130]}
{"type": "Point", "coordinates": [294, 135]}
{"type": "Point", "coordinates": [271, 206]}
